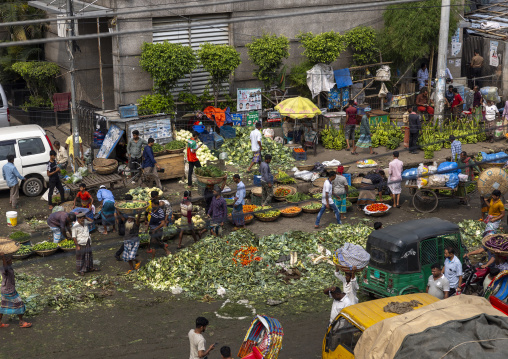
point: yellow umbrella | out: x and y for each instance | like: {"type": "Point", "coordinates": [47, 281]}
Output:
{"type": "Point", "coordinates": [298, 108]}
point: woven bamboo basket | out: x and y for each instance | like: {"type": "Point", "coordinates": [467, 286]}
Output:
{"type": "Point", "coordinates": [178, 150]}
{"type": "Point", "coordinates": [257, 191]}
{"type": "Point", "coordinates": [267, 219]}
{"type": "Point", "coordinates": [131, 211]}
{"type": "Point", "coordinates": [46, 252]}
{"type": "Point", "coordinates": [347, 269]}
{"type": "Point", "coordinates": [315, 190]}
{"type": "Point", "coordinates": [8, 246]}
{"type": "Point", "coordinates": [319, 182]}
{"type": "Point", "coordinates": [68, 249]}
{"type": "Point", "coordinates": [105, 166]}
{"type": "Point", "coordinates": [309, 210]}
{"type": "Point", "coordinates": [292, 190]}
{"type": "Point", "coordinates": [211, 180]}
{"type": "Point", "coordinates": [291, 215]}
{"type": "Point", "coordinates": [357, 182]}
{"type": "Point", "coordinates": [492, 178]}
{"type": "Point", "coordinates": [305, 167]}
{"type": "Point", "coordinates": [497, 251]}
{"type": "Point", "coordinates": [247, 221]}
{"type": "Point", "coordinates": [22, 256]}
{"type": "Point", "coordinates": [160, 153]}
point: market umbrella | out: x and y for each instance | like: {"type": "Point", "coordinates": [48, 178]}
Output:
{"type": "Point", "coordinates": [298, 108]}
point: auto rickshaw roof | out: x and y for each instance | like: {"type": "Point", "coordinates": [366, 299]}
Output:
{"type": "Point", "coordinates": [368, 313]}
{"type": "Point", "coordinates": [402, 234]}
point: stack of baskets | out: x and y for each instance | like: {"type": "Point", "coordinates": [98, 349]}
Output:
{"type": "Point", "coordinates": [105, 166]}
{"type": "Point", "coordinates": [266, 334]}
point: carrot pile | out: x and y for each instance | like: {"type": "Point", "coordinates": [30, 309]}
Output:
{"type": "Point", "coordinates": [245, 255]}
{"type": "Point", "coordinates": [299, 150]}
{"type": "Point", "coordinates": [248, 208]}
{"type": "Point", "coordinates": [291, 210]}
{"type": "Point", "coordinates": [377, 207]}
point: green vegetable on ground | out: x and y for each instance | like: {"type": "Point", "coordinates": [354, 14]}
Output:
{"type": "Point", "coordinates": [44, 246]}
{"type": "Point", "coordinates": [23, 250]}
{"type": "Point", "coordinates": [67, 243]}
{"type": "Point", "coordinates": [157, 148]}
{"type": "Point", "coordinates": [19, 236]}
{"type": "Point", "coordinates": [313, 205]}
{"type": "Point", "coordinates": [297, 197]}
{"type": "Point", "coordinates": [175, 145]}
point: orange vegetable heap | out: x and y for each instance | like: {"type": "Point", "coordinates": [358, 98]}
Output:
{"type": "Point", "coordinates": [299, 150]}
{"type": "Point", "coordinates": [291, 210]}
{"type": "Point", "coordinates": [248, 208]}
{"type": "Point", "coordinates": [248, 218]}
{"type": "Point", "coordinates": [282, 192]}
{"type": "Point", "coordinates": [377, 207]}
{"type": "Point", "coordinates": [245, 255]}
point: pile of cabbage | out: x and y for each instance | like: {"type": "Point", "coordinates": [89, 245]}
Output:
{"type": "Point", "coordinates": [208, 265]}
{"type": "Point", "coordinates": [240, 153]}
{"type": "Point", "coordinates": [204, 154]}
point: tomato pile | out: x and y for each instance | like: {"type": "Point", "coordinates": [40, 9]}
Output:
{"type": "Point", "coordinates": [282, 192]}
{"type": "Point", "coordinates": [377, 207]}
{"type": "Point", "coordinates": [245, 255]}
{"type": "Point", "coordinates": [299, 150]}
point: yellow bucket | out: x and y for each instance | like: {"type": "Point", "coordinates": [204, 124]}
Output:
{"type": "Point", "coordinates": [12, 218]}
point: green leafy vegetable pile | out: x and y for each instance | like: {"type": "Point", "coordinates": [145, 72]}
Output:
{"type": "Point", "coordinates": [157, 148]}
{"type": "Point", "coordinates": [19, 236]}
{"type": "Point", "coordinates": [175, 145]}
{"type": "Point", "coordinates": [471, 232]}
{"type": "Point", "coordinates": [298, 197]}
{"type": "Point", "coordinates": [23, 250]}
{"type": "Point", "coordinates": [209, 171]}
{"type": "Point", "coordinates": [208, 264]}
{"type": "Point", "coordinates": [240, 153]}
{"type": "Point", "coordinates": [44, 246]}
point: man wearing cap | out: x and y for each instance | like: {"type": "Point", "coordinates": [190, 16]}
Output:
{"type": "Point", "coordinates": [108, 207]}
{"type": "Point", "coordinates": [135, 150]}
{"type": "Point", "coordinates": [82, 240]}
{"type": "Point", "coordinates": [237, 215]}
{"type": "Point", "coordinates": [256, 146]}
{"type": "Point", "coordinates": [340, 301]}
{"type": "Point", "coordinates": [218, 211]}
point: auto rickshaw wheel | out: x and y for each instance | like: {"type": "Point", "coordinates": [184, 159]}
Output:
{"type": "Point", "coordinates": [425, 201]}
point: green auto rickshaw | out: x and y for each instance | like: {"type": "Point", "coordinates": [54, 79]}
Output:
{"type": "Point", "coordinates": [401, 255]}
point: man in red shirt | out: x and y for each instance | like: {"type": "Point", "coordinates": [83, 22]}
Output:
{"type": "Point", "coordinates": [457, 103]}
{"type": "Point", "coordinates": [192, 158]}
{"type": "Point", "coordinates": [351, 112]}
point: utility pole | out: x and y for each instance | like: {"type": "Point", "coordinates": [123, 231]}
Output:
{"type": "Point", "coordinates": [441, 62]}
{"type": "Point", "coordinates": [70, 49]}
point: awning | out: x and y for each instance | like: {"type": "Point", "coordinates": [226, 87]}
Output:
{"type": "Point", "coordinates": [80, 7]}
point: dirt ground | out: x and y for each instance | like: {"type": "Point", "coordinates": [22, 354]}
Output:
{"type": "Point", "coordinates": [139, 322]}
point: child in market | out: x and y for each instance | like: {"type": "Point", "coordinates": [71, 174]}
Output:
{"type": "Point", "coordinates": [84, 196]}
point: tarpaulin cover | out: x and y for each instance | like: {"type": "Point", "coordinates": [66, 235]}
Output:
{"type": "Point", "coordinates": [320, 78]}
{"type": "Point", "coordinates": [499, 157]}
{"type": "Point", "coordinates": [343, 78]}
{"type": "Point", "coordinates": [215, 114]}
{"type": "Point", "coordinates": [458, 322]}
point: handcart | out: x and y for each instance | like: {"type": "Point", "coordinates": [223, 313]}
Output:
{"type": "Point", "coordinates": [265, 333]}
{"type": "Point", "coordinates": [426, 199]}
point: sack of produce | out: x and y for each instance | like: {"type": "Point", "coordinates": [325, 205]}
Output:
{"type": "Point", "coordinates": [499, 157]}
{"type": "Point", "coordinates": [366, 163]}
{"type": "Point", "coordinates": [490, 93]}
{"type": "Point", "coordinates": [453, 181]}
{"type": "Point", "coordinates": [303, 175]}
{"type": "Point", "coordinates": [411, 173]}
{"type": "Point", "coordinates": [448, 167]}
{"type": "Point", "coordinates": [438, 180]}
{"type": "Point", "coordinates": [351, 255]}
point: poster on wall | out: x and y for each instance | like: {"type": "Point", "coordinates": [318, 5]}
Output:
{"type": "Point", "coordinates": [493, 59]}
{"type": "Point", "coordinates": [160, 130]}
{"type": "Point", "coordinates": [248, 99]}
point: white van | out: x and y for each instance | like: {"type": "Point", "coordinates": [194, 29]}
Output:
{"type": "Point", "coordinates": [30, 145]}
{"type": "Point", "coordinates": [4, 109]}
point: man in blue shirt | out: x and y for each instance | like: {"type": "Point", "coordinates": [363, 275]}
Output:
{"type": "Point", "coordinates": [238, 217]}
{"type": "Point", "coordinates": [452, 270]}
{"type": "Point", "coordinates": [149, 164]}
{"type": "Point", "coordinates": [108, 208]}
{"type": "Point", "coordinates": [104, 194]}
{"type": "Point", "coordinates": [11, 175]}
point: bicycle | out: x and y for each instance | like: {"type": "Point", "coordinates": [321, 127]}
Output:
{"type": "Point", "coordinates": [140, 177]}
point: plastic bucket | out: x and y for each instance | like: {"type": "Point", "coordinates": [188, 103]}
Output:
{"type": "Point", "coordinates": [12, 218]}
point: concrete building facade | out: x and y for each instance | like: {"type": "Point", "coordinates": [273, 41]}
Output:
{"type": "Point", "coordinates": [125, 82]}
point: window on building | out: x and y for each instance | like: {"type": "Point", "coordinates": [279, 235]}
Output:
{"type": "Point", "coordinates": [197, 81]}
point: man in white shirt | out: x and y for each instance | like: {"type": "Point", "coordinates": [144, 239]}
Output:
{"type": "Point", "coordinates": [62, 158]}
{"type": "Point", "coordinates": [491, 112]}
{"type": "Point", "coordinates": [327, 201]}
{"type": "Point", "coordinates": [340, 301]}
{"type": "Point", "coordinates": [438, 285]}
{"type": "Point", "coordinates": [453, 270]}
{"type": "Point", "coordinates": [197, 340]}
{"type": "Point", "coordinates": [349, 284]}
{"type": "Point", "coordinates": [256, 147]}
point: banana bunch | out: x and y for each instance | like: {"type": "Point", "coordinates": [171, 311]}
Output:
{"type": "Point", "coordinates": [333, 139]}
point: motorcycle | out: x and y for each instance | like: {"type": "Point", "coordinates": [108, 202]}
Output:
{"type": "Point", "coordinates": [473, 277]}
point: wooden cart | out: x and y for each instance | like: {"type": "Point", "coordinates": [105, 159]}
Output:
{"type": "Point", "coordinates": [94, 181]}
{"type": "Point", "coordinates": [426, 199]}
{"type": "Point", "coordinates": [174, 166]}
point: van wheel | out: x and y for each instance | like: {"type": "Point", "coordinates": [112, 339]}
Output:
{"type": "Point", "coordinates": [33, 187]}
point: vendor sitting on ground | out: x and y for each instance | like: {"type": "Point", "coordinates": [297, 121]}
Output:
{"type": "Point", "coordinates": [422, 101]}
{"type": "Point", "coordinates": [371, 184]}
{"type": "Point", "coordinates": [289, 130]}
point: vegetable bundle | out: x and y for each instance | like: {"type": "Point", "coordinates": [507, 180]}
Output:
{"type": "Point", "coordinates": [209, 171]}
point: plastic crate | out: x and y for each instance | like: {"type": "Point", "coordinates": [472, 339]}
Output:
{"type": "Point", "coordinates": [257, 180]}
{"type": "Point", "coordinates": [348, 177]}
{"type": "Point", "coordinates": [299, 156]}
{"type": "Point", "coordinates": [228, 132]}
{"type": "Point", "coordinates": [206, 138]}
{"type": "Point", "coordinates": [199, 128]}
{"type": "Point", "coordinates": [128, 111]}
{"type": "Point", "coordinates": [218, 139]}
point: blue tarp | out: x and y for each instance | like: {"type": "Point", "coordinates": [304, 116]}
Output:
{"type": "Point", "coordinates": [499, 157]}
{"type": "Point", "coordinates": [343, 78]}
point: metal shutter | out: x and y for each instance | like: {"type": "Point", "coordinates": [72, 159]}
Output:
{"type": "Point", "coordinates": [197, 81]}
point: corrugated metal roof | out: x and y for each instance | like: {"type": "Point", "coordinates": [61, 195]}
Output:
{"type": "Point", "coordinates": [490, 21]}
